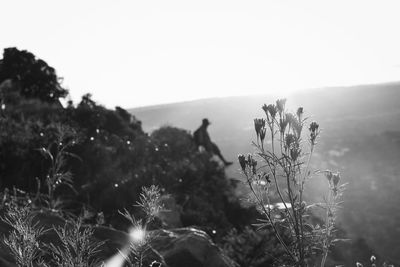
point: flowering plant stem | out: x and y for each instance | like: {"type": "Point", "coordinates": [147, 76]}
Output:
{"type": "Point", "coordinates": [283, 177]}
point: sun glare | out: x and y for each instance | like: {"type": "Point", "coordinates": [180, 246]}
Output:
{"type": "Point", "coordinates": [137, 234]}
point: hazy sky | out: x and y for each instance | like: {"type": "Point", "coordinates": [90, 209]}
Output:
{"type": "Point", "coordinates": [135, 53]}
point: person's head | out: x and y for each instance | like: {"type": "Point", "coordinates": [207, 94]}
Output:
{"type": "Point", "coordinates": [206, 122]}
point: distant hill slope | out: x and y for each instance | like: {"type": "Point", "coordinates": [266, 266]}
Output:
{"type": "Point", "coordinates": [343, 112]}
{"type": "Point", "coordinates": [360, 138]}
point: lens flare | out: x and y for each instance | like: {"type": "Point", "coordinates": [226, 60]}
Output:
{"type": "Point", "coordinates": [137, 234]}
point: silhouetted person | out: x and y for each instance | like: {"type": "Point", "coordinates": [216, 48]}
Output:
{"type": "Point", "coordinates": [202, 138]}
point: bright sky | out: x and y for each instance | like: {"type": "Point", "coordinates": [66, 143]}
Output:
{"type": "Point", "coordinates": [136, 53]}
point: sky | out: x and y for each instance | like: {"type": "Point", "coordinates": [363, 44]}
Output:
{"type": "Point", "coordinates": [137, 53]}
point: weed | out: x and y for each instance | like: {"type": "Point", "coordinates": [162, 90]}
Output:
{"type": "Point", "coordinates": [281, 176]}
{"type": "Point", "coordinates": [23, 241]}
{"type": "Point", "coordinates": [77, 249]}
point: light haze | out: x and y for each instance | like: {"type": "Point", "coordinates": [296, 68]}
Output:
{"type": "Point", "coordinates": [137, 53]}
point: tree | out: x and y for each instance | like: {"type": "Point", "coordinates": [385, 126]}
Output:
{"type": "Point", "coordinates": [34, 77]}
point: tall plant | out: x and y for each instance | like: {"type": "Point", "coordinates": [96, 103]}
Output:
{"type": "Point", "coordinates": [57, 176]}
{"type": "Point", "coordinates": [277, 184]}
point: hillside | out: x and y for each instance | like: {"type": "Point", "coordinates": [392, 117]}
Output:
{"type": "Point", "coordinates": [360, 138]}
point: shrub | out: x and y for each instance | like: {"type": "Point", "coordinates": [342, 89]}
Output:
{"type": "Point", "coordinates": [77, 248]}
{"type": "Point", "coordinates": [23, 241]}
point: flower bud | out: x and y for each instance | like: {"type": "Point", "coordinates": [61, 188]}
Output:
{"type": "Point", "coordinates": [328, 175]}
{"type": "Point", "coordinates": [263, 131]}
{"type": "Point", "coordinates": [314, 126]}
{"type": "Point", "coordinates": [313, 132]}
{"type": "Point", "coordinates": [299, 113]}
{"type": "Point", "coordinates": [258, 125]}
{"type": "Point", "coordinates": [280, 105]}
{"type": "Point", "coordinates": [336, 179]}
{"type": "Point", "coordinates": [270, 110]}
{"type": "Point", "coordinates": [242, 161]}
{"type": "Point", "coordinates": [282, 124]}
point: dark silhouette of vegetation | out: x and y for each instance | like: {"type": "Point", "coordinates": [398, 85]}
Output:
{"type": "Point", "coordinates": [112, 157]}
{"type": "Point", "coordinates": [32, 76]}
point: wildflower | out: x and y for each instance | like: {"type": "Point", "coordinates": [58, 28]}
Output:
{"type": "Point", "coordinates": [252, 163]}
{"type": "Point", "coordinates": [280, 104]}
{"type": "Point", "coordinates": [314, 126]}
{"type": "Point", "coordinates": [270, 110]}
{"type": "Point", "coordinates": [242, 161]}
{"type": "Point", "coordinates": [295, 151]}
{"type": "Point", "coordinates": [258, 125]}
{"type": "Point", "coordinates": [294, 123]}
{"type": "Point", "coordinates": [282, 125]}
{"type": "Point", "coordinates": [313, 132]}
{"type": "Point", "coordinates": [328, 175]}
{"type": "Point", "coordinates": [289, 140]}
{"type": "Point", "coordinates": [336, 179]}
{"type": "Point", "coordinates": [299, 113]}
{"type": "Point", "coordinates": [263, 131]}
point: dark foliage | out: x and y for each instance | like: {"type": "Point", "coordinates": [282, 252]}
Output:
{"type": "Point", "coordinates": [113, 158]}
{"type": "Point", "coordinates": [34, 77]}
